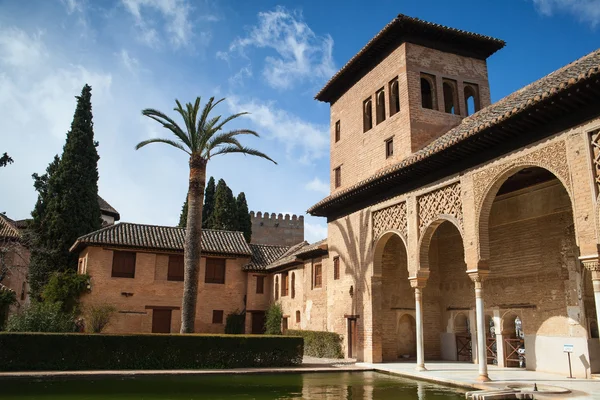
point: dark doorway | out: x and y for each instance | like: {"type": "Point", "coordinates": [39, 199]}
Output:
{"type": "Point", "coordinates": [161, 321]}
{"type": "Point", "coordinates": [258, 322]}
{"type": "Point", "coordinates": [352, 338]}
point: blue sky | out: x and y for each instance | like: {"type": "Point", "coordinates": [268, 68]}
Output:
{"type": "Point", "coordinates": [265, 57]}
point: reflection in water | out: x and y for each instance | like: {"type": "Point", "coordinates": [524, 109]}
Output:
{"type": "Point", "coordinates": [334, 385]}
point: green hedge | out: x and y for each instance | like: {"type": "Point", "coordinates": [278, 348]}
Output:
{"type": "Point", "coordinates": [73, 351]}
{"type": "Point", "coordinates": [320, 344]}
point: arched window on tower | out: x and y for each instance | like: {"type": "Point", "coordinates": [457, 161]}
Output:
{"type": "Point", "coordinates": [450, 97]}
{"type": "Point", "coordinates": [428, 95]}
{"type": "Point", "coordinates": [293, 285]}
{"type": "Point", "coordinates": [367, 115]}
{"type": "Point", "coordinates": [471, 98]}
{"type": "Point", "coordinates": [380, 106]}
{"type": "Point", "coordinates": [394, 97]}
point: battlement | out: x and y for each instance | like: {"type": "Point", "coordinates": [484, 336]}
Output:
{"type": "Point", "coordinates": [276, 229]}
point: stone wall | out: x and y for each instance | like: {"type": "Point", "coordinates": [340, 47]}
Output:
{"type": "Point", "coordinates": [278, 229]}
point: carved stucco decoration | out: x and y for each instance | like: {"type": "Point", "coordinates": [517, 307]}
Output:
{"type": "Point", "coordinates": [552, 157]}
{"type": "Point", "coordinates": [446, 201]}
{"type": "Point", "coordinates": [393, 217]}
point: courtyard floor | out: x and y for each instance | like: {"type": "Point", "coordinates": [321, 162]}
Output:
{"type": "Point", "coordinates": [465, 375]}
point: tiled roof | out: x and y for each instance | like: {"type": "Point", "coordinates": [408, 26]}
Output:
{"type": "Point", "coordinates": [302, 250]}
{"type": "Point", "coordinates": [107, 209]}
{"type": "Point", "coordinates": [517, 103]}
{"type": "Point", "coordinates": [410, 29]}
{"type": "Point", "coordinates": [8, 228]}
{"type": "Point", "coordinates": [263, 255]}
{"type": "Point", "coordinates": [164, 238]}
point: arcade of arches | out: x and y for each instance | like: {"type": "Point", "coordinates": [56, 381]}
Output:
{"type": "Point", "coordinates": [534, 293]}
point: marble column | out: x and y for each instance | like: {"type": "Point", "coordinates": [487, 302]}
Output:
{"type": "Point", "coordinates": [477, 277]}
{"type": "Point", "coordinates": [418, 283]}
{"type": "Point", "coordinates": [592, 265]}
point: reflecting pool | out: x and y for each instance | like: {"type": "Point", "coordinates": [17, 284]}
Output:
{"type": "Point", "coordinates": [331, 385]}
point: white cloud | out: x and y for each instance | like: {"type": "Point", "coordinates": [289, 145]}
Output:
{"type": "Point", "coordinates": [73, 6]}
{"type": "Point", "coordinates": [317, 185]}
{"type": "Point", "coordinates": [131, 63]}
{"type": "Point", "coordinates": [585, 10]}
{"type": "Point", "coordinates": [175, 15]}
{"type": "Point", "coordinates": [301, 54]}
{"type": "Point", "coordinates": [314, 232]}
{"type": "Point", "coordinates": [293, 132]}
{"type": "Point", "coordinates": [21, 50]}
{"type": "Point", "coordinates": [238, 78]}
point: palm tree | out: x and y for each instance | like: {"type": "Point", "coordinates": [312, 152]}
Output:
{"type": "Point", "coordinates": [202, 140]}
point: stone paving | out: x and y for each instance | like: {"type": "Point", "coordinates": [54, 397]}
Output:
{"type": "Point", "coordinates": [465, 375]}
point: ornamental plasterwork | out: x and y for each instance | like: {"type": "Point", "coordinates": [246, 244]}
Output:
{"type": "Point", "coordinates": [446, 201]}
{"type": "Point", "coordinates": [552, 157]}
{"type": "Point", "coordinates": [393, 217]}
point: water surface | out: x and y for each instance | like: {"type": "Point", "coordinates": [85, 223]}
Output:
{"type": "Point", "coordinates": [334, 385]}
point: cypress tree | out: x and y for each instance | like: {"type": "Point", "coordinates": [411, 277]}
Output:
{"type": "Point", "coordinates": [224, 216]}
{"type": "Point", "coordinates": [183, 216]}
{"type": "Point", "coordinates": [72, 209]}
{"type": "Point", "coordinates": [209, 203]}
{"type": "Point", "coordinates": [244, 221]}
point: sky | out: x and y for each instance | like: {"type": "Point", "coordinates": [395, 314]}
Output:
{"type": "Point", "coordinates": [268, 58]}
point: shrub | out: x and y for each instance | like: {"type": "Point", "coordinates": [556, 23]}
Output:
{"type": "Point", "coordinates": [7, 298]}
{"type": "Point", "coordinates": [235, 323]}
{"type": "Point", "coordinates": [273, 319]}
{"type": "Point", "coordinates": [320, 344]}
{"type": "Point", "coordinates": [42, 317]}
{"type": "Point", "coordinates": [98, 316]}
{"type": "Point", "coordinates": [68, 351]}
{"type": "Point", "coordinates": [65, 288]}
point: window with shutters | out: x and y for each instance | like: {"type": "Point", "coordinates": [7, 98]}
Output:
{"type": "Point", "coordinates": [260, 284]}
{"type": "Point", "coordinates": [297, 317]}
{"type": "Point", "coordinates": [123, 265]}
{"type": "Point", "coordinates": [215, 270]}
{"type": "Point", "coordinates": [217, 317]}
{"type": "Point", "coordinates": [175, 272]}
{"type": "Point", "coordinates": [337, 176]}
{"type": "Point", "coordinates": [276, 287]}
{"type": "Point", "coordinates": [285, 284]}
{"type": "Point", "coordinates": [336, 268]}
{"type": "Point", "coordinates": [317, 275]}
{"type": "Point", "coordinates": [293, 285]}
{"type": "Point", "coordinates": [389, 148]}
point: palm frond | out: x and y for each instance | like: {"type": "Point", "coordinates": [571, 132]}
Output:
{"type": "Point", "coordinates": [244, 150]}
{"type": "Point", "coordinates": [158, 140]}
{"type": "Point", "coordinates": [169, 124]}
{"type": "Point", "coordinates": [226, 120]}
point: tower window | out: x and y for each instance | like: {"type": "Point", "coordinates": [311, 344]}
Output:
{"type": "Point", "coordinates": [450, 97]}
{"type": "Point", "coordinates": [380, 106]}
{"type": "Point", "coordinates": [337, 176]}
{"type": "Point", "coordinates": [471, 98]}
{"type": "Point", "coordinates": [428, 95]}
{"type": "Point", "coordinates": [394, 97]}
{"type": "Point", "coordinates": [337, 131]}
{"type": "Point", "coordinates": [367, 115]}
{"type": "Point", "coordinates": [389, 148]}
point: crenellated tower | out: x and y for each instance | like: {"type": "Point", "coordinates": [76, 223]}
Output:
{"type": "Point", "coordinates": [277, 229]}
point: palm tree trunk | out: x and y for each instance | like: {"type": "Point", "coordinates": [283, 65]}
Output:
{"type": "Point", "coordinates": [193, 239]}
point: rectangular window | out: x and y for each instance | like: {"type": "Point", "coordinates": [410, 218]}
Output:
{"type": "Point", "coordinates": [123, 264]}
{"type": "Point", "coordinates": [318, 275]}
{"type": "Point", "coordinates": [337, 131]}
{"type": "Point", "coordinates": [337, 176]}
{"type": "Point", "coordinates": [285, 284]}
{"type": "Point", "coordinates": [389, 148]}
{"type": "Point", "coordinates": [217, 317]}
{"type": "Point", "coordinates": [215, 270]}
{"type": "Point", "coordinates": [284, 324]}
{"type": "Point", "coordinates": [175, 272]}
{"type": "Point", "coordinates": [336, 268]}
{"type": "Point", "coordinates": [260, 284]}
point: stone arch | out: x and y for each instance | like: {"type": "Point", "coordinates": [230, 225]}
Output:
{"type": "Point", "coordinates": [406, 335]}
{"type": "Point", "coordinates": [380, 243]}
{"type": "Point", "coordinates": [461, 323]}
{"type": "Point", "coordinates": [507, 323]}
{"type": "Point", "coordinates": [487, 201]}
{"type": "Point", "coordinates": [425, 240]}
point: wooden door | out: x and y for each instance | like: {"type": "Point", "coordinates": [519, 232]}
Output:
{"type": "Point", "coordinates": [161, 321]}
{"type": "Point", "coordinates": [258, 322]}
{"type": "Point", "coordinates": [352, 338]}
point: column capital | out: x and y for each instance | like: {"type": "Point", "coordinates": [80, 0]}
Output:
{"type": "Point", "coordinates": [478, 276]}
{"type": "Point", "coordinates": [420, 279]}
{"type": "Point", "coordinates": [592, 264]}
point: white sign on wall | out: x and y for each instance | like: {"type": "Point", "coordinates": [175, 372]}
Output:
{"type": "Point", "coordinates": [567, 348]}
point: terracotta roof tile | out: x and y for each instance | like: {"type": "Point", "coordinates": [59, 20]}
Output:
{"type": "Point", "coordinates": [516, 103]}
{"type": "Point", "coordinates": [263, 255]}
{"type": "Point", "coordinates": [9, 229]}
{"type": "Point", "coordinates": [299, 251]}
{"type": "Point", "coordinates": [108, 209]}
{"type": "Point", "coordinates": [164, 238]}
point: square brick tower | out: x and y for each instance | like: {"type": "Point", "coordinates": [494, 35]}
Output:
{"type": "Point", "coordinates": [280, 230]}
{"type": "Point", "coordinates": [411, 83]}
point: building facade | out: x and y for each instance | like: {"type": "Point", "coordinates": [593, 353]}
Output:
{"type": "Point", "coordinates": [462, 230]}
